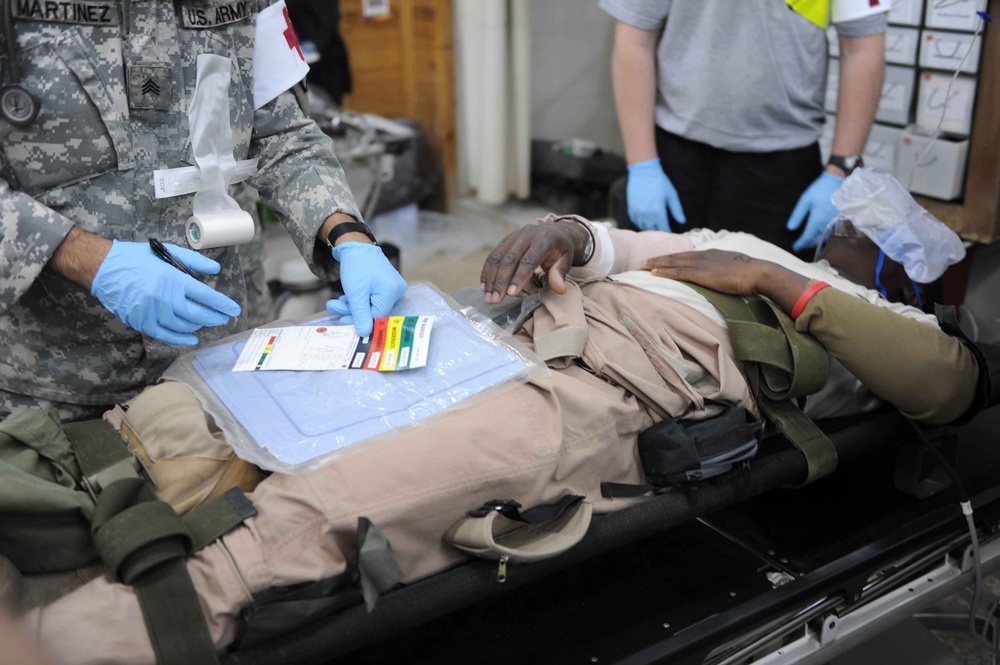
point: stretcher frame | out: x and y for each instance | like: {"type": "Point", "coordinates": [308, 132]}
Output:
{"type": "Point", "coordinates": [811, 618]}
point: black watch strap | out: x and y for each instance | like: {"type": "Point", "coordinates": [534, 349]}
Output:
{"type": "Point", "coordinates": [350, 227]}
{"type": "Point", "coordinates": [846, 163]}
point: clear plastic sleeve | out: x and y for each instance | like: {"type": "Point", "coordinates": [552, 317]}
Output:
{"type": "Point", "coordinates": [881, 208]}
{"type": "Point", "coordinates": [292, 422]}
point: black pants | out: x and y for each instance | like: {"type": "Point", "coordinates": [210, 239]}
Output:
{"type": "Point", "coordinates": [753, 192]}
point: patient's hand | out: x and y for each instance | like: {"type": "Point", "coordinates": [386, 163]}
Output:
{"type": "Point", "coordinates": [726, 272]}
{"type": "Point", "coordinates": [733, 273]}
{"type": "Point", "coordinates": [553, 247]}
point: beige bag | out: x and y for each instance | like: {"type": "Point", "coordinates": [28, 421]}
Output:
{"type": "Point", "coordinates": [185, 454]}
{"type": "Point", "coordinates": [560, 527]}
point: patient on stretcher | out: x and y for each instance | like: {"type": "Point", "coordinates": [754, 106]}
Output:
{"type": "Point", "coordinates": [647, 346]}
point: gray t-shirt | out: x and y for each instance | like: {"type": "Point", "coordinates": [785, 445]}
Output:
{"type": "Point", "coordinates": [741, 75]}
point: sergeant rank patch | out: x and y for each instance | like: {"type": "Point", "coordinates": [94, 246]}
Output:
{"type": "Point", "coordinates": [200, 17]}
{"type": "Point", "coordinates": [150, 87]}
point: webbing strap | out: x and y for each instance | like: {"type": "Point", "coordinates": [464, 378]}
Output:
{"type": "Point", "coordinates": [145, 543]}
{"type": "Point", "coordinates": [134, 532]}
{"type": "Point", "coordinates": [377, 567]}
{"type": "Point", "coordinates": [173, 616]}
{"type": "Point", "coordinates": [217, 517]}
{"type": "Point", "coordinates": [784, 364]}
{"type": "Point", "coordinates": [819, 451]}
{"type": "Point", "coordinates": [611, 490]}
{"type": "Point", "coordinates": [96, 444]}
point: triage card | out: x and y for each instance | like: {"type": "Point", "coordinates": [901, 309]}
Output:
{"type": "Point", "coordinates": [397, 343]}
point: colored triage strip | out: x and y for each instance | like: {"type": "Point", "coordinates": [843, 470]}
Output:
{"type": "Point", "coordinates": [393, 328]}
{"type": "Point", "coordinates": [406, 342]}
{"type": "Point", "coordinates": [378, 344]}
{"type": "Point", "coordinates": [267, 350]}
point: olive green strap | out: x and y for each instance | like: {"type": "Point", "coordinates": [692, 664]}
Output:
{"type": "Point", "coordinates": [145, 543]}
{"type": "Point", "coordinates": [783, 364]}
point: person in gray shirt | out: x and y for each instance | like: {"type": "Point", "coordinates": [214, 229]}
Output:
{"type": "Point", "coordinates": [720, 105]}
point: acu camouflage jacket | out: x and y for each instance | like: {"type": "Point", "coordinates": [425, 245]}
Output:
{"type": "Point", "coordinates": [115, 78]}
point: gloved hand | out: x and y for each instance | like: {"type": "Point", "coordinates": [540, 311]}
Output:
{"type": "Point", "coordinates": [814, 202]}
{"type": "Point", "coordinates": [371, 286]}
{"type": "Point", "coordinates": [649, 194]}
{"type": "Point", "coordinates": [157, 299]}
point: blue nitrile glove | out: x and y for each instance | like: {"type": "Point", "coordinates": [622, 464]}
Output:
{"type": "Point", "coordinates": [371, 286]}
{"type": "Point", "coordinates": [649, 194]}
{"type": "Point", "coordinates": [156, 298]}
{"type": "Point", "coordinates": [814, 202]}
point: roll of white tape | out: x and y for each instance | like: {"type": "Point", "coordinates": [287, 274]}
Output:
{"type": "Point", "coordinates": [219, 229]}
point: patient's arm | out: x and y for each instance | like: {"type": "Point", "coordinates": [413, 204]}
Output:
{"type": "Point", "coordinates": [559, 243]}
{"type": "Point", "coordinates": [630, 249]}
{"type": "Point", "coordinates": [926, 374]}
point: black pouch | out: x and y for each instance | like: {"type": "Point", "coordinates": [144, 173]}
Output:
{"type": "Point", "coordinates": [674, 452]}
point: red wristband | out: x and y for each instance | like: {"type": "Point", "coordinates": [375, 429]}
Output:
{"type": "Point", "coordinates": [806, 296]}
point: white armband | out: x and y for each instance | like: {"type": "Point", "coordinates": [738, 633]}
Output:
{"type": "Point", "coordinates": [842, 11]}
{"type": "Point", "coordinates": [278, 63]}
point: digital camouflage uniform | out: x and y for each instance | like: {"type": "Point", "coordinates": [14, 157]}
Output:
{"type": "Point", "coordinates": [115, 80]}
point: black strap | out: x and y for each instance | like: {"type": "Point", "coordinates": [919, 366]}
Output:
{"type": "Point", "coordinates": [538, 515]}
{"type": "Point", "coordinates": [624, 490]}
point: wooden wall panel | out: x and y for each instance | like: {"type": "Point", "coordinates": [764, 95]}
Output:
{"type": "Point", "coordinates": [402, 65]}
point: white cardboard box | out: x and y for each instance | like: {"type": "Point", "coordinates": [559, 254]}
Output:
{"type": "Point", "coordinates": [832, 85]}
{"type": "Point", "coordinates": [954, 14]}
{"type": "Point", "coordinates": [897, 95]}
{"type": "Point", "coordinates": [906, 12]}
{"type": "Point", "coordinates": [901, 45]}
{"type": "Point", "coordinates": [941, 172]}
{"type": "Point", "coordinates": [935, 99]}
{"type": "Point", "coordinates": [882, 148]}
{"type": "Point", "coordinates": [945, 50]}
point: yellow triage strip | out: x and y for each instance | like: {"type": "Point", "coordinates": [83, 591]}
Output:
{"type": "Point", "coordinates": [393, 337]}
{"type": "Point", "coordinates": [814, 11]}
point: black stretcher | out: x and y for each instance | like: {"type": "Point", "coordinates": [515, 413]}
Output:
{"type": "Point", "coordinates": [743, 570]}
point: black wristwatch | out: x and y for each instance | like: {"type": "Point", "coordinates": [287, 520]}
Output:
{"type": "Point", "coordinates": [846, 163]}
{"type": "Point", "coordinates": [350, 227]}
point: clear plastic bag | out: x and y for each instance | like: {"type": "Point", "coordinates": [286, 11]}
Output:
{"type": "Point", "coordinates": [880, 207]}
{"type": "Point", "coordinates": [293, 422]}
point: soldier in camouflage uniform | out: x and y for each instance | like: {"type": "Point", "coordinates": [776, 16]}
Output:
{"type": "Point", "coordinates": [114, 79]}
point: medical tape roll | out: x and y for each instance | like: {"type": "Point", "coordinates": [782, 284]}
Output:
{"type": "Point", "coordinates": [219, 229]}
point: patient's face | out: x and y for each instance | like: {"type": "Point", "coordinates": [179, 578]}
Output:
{"type": "Point", "coordinates": [856, 258]}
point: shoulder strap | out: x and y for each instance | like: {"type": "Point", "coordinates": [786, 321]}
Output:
{"type": "Point", "coordinates": [782, 365]}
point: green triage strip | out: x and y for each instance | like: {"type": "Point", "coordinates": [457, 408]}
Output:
{"type": "Point", "coordinates": [406, 342]}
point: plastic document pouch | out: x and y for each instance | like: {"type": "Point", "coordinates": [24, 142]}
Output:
{"type": "Point", "coordinates": [295, 421]}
